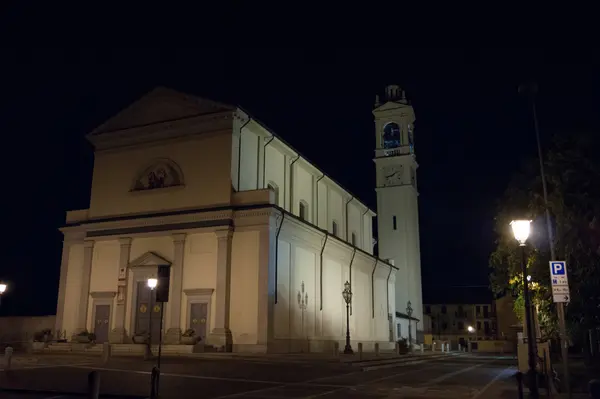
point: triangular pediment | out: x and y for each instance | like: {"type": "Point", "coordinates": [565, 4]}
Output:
{"type": "Point", "coordinates": [158, 106]}
{"type": "Point", "coordinates": [149, 259]}
{"type": "Point", "coordinates": [391, 105]}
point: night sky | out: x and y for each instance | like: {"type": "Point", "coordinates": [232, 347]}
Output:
{"type": "Point", "coordinates": [472, 133]}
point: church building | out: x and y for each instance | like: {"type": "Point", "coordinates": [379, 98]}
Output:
{"type": "Point", "coordinates": [258, 241]}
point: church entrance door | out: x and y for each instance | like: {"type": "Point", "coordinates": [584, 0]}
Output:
{"type": "Point", "coordinates": [101, 323]}
{"type": "Point", "coordinates": [198, 319]}
{"type": "Point", "coordinates": [144, 313]}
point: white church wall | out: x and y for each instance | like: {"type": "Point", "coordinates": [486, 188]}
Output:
{"type": "Point", "coordinates": [244, 287]}
{"type": "Point", "coordinates": [354, 223]}
{"type": "Point", "coordinates": [303, 191]}
{"type": "Point", "coordinates": [204, 161]}
{"type": "Point", "coordinates": [335, 211]}
{"type": "Point", "coordinates": [322, 204]}
{"type": "Point", "coordinates": [275, 172]}
{"type": "Point", "coordinates": [251, 143]}
{"type": "Point", "coordinates": [104, 274]}
{"type": "Point", "coordinates": [266, 159]}
{"type": "Point", "coordinates": [199, 271]}
{"type": "Point", "coordinates": [367, 231]}
{"type": "Point", "coordinates": [72, 288]}
{"type": "Point", "coordinates": [299, 262]}
{"type": "Point", "coordinates": [282, 327]}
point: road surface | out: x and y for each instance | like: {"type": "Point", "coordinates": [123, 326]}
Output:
{"type": "Point", "coordinates": [442, 376]}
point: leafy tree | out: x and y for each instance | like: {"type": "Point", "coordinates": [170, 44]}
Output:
{"type": "Point", "coordinates": [573, 180]}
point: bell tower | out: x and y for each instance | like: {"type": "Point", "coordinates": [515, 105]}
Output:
{"type": "Point", "coordinates": [397, 201]}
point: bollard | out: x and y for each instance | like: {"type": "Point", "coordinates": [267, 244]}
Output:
{"type": "Point", "coordinates": [397, 348]}
{"type": "Point", "coordinates": [433, 347]}
{"type": "Point", "coordinates": [376, 348]}
{"type": "Point", "coordinates": [422, 348]}
{"type": "Point", "coordinates": [93, 385]}
{"type": "Point", "coordinates": [154, 377]}
{"type": "Point", "coordinates": [106, 352]}
{"type": "Point", "coordinates": [360, 351]}
{"type": "Point", "coordinates": [336, 348]}
{"type": "Point", "coordinates": [8, 352]}
{"type": "Point", "coordinates": [519, 376]}
{"type": "Point", "coordinates": [594, 389]}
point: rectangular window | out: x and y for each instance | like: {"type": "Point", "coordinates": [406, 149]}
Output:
{"type": "Point", "coordinates": [478, 310]}
{"type": "Point", "coordinates": [394, 221]}
{"type": "Point", "coordinates": [427, 309]}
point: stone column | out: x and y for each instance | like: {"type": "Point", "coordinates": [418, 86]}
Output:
{"type": "Point", "coordinates": [86, 273]}
{"type": "Point", "coordinates": [221, 335]}
{"type": "Point", "coordinates": [266, 287]}
{"type": "Point", "coordinates": [118, 335]}
{"type": "Point", "coordinates": [173, 335]}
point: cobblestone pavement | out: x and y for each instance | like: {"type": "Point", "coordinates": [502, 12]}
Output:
{"type": "Point", "coordinates": [445, 376]}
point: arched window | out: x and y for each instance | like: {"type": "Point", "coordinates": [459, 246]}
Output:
{"type": "Point", "coordinates": [275, 189]}
{"type": "Point", "coordinates": [160, 173]}
{"type": "Point", "coordinates": [303, 211]}
{"type": "Point", "coordinates": [334, 228]}
{"type": "Point", "coordinates": [353, 238]}
{"type": "Point", "coordinates": [391, 135]}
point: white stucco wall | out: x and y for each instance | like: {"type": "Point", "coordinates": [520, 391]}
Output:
{"type": "Point", "coordinates": [265, 160]}
{"type": "Point", "coordinates": [205, 161]}
{"type": "Point", "coordinates": [72, 288]}
{"type": "Point", "coordinates": [324, 319]}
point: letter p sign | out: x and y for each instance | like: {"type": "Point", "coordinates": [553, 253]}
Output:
{"type": "Point", "coordinates": [558, 268]}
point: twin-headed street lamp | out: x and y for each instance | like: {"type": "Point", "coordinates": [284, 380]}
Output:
{"type": "Point", "coordinates": [521, 230]}
{"type": "Point", "coordinates": [347, 294]}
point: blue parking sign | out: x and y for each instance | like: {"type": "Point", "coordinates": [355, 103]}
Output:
{"type": "Point", "coordinates": [558, 268]}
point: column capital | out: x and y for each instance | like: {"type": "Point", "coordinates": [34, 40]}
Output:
{"type": "Point", "coordinates": [88, 243]}
{"type": "Point", "coordinates": [125, 241]}
{"type": "Point", "coordinates": [179, 238]}
{"type": "Point", "coordinates": [224, 233]}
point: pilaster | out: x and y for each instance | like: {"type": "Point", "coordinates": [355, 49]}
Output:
{"type": "Point", "coordinates": [62, 285]}
{"type": "Point", "coordinates": [173, 335]}
{"type": "Point", "coordinates": [118, 335]}
{"type": "Point", "coordinates": [86, 273]}
{"type": "Point", "coordinates": [221, 335]}
{"type": "Point", "coordinates": [266, 286]}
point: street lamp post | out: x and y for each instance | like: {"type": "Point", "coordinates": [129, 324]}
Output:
{"type": "Point", "coordinates": [2, 289]}
{"type": "Point", "coordinates": [521, 229]}
{"type": "Point", "coordinates": [152, 283]}
{"type": "Point", "coordinates": [347, 294]}
{"type": "Point", "coordinates": [409, 311]}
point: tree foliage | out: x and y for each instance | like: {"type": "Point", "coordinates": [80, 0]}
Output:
{"type": "Point", "coordinates": [572, 171]}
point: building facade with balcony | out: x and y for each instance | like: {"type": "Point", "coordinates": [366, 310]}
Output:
{"type": "Point", "coordinates": [461, 322]}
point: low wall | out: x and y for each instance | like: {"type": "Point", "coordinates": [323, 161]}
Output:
{"type": "Point", "coordinates": [22, 328]}
{"type": "Point", "coordinates": [494, 346]}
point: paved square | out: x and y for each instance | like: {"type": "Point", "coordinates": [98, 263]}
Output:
{"type": "Point", "coordinates": [457, 377]}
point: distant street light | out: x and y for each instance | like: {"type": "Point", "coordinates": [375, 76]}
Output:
{"type": "Point", "coordinates": [409, 311]}
{"type": "Point", "coordinates": [2, 289]}
{"type": "Point", "coordinates": [521, 230]}
{"type": "Point", "coordinates": [347, 295]}
{"type": "Point", "coordinates": [470, 329]}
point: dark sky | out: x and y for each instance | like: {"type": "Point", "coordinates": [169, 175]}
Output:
{"type": "Point", "coordinates": [472, 132]}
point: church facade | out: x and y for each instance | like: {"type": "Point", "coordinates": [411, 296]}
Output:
{"type": "Point", "coordinates": [258, 240]}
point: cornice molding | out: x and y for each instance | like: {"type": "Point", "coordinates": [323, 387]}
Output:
{"type": "Point", "coordinates": [163, 130]}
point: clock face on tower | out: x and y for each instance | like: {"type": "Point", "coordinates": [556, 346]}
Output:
{"type": "Point", "coordinates": [392, 175]}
